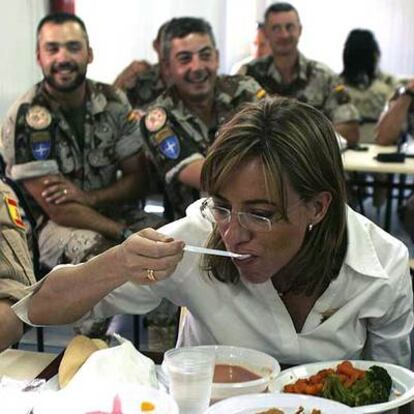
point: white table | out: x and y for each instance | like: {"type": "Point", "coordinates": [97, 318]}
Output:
{"type": "Point", "coordinates": [22, 365]}
{"type": "Point", "coordinates": [365, 162]}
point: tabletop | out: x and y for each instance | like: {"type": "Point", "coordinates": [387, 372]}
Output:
{"type": "Point", "coordinates": [364, 161]}
{"type": "Point", "coordinates": [24, 365]}
{"type": "Point", "coordinates": [28, 365]}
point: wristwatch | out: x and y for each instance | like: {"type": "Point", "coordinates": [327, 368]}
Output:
{"type": "Point", "coordinates": [403, 90]}
{"type": "Point", "coordinates": [124, 234]}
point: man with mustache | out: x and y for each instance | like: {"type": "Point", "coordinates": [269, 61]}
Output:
{"type": "Point", "coordinates": [182, 122]}
{"type": "Point", "coordinates": [65, 141]}
{"type": "Point", "coordinates": [288, 73]}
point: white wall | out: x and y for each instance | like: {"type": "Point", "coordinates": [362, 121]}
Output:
{"type": "Point", "coordinates": [122, 30]}
{"type": "Point", "coordinates": [18, 69]}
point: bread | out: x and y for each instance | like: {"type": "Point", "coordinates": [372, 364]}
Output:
{"type": "Point", "coordinates": [79, 349]}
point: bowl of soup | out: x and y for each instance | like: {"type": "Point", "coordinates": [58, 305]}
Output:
{"type": "Point", "coordinates": [240, 371]}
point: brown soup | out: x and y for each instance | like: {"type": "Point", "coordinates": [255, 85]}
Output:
{"type": "Point", "coordinates": [225, 373]}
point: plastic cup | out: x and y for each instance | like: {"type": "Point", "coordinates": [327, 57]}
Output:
{"type": "Point", "coordinates": [190, 373]}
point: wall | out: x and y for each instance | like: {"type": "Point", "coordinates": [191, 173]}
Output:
{"type": "Point", "coordinates": [123, 30]}
{"type": "Point", "coordinates": [18, 70]}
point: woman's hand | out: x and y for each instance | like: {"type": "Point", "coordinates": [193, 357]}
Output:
{"type": "Point", "coordinates": [148, 256]}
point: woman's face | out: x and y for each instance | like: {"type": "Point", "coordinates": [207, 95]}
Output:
{"type": "Point", "coordinates": [270, 251]}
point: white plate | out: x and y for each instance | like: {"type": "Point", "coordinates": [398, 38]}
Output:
{"type": "Point", "coordinates": [289, 403]}
{"type": "Point", "coordinates": [402, 382]}
{"type": "Point", "coordinates": [102, 399]}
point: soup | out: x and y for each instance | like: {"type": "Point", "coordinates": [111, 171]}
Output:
{"type": "Point", "coordinates": [226, 373]}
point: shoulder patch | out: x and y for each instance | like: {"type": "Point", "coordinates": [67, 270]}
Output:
{"type": "Point", "coordinates": [155, 119]}
{"type": "Point", "coordinates": [38, 117]}
{"type": "Point", "coordinates": [41, 144]}
{"type": "Point", "coordinates": [261, 93]}
{"type": "Point", "coordinates": [13, 210]}
{"type": "Point", "coordinates": [170, 147]}
{"type": "Point", "coordinates": [341, 94]}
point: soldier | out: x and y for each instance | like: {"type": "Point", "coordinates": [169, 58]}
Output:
{"type": "Point", "coordinates": [65, 141]}
{"type": "Point", "coordinates": [183, 121]}
{"type": "Point", "coordinates": [368, 86]}
{"type": "Point", "coordinates": [398, 116]}
{"type": "Point", "coordinates": [288, 73]}
{"type": "Point", "coordinates": [16, 270]}
{"type": "Point", "coordinates": [141, 81]}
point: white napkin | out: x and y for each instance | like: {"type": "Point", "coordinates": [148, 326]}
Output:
{"type": "Point", "coordinates": [121, 364]}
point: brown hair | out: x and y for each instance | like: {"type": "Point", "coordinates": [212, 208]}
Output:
{"type": "Point", "coordinates": [297, 144]}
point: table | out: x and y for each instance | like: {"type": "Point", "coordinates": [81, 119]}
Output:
{"type": "Point", "coordinates": [365, 162]}
{"type": "Point", "coordinates": [29, 365]}
{"type": "Point", "coordinates": [23, 365]}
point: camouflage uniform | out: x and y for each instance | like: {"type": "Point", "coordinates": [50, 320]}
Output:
{"type": "Point", "coordinates": [370, 100]}
{"type": "Point", "coordinates": [16, 270]}
{"type": "Point", "coordinates": [109, 137]}
{"type": "Point", "coordinates": [148, 86]}
{"type": "Point", "coordinates": [315, 84]}
{"type": "Point", "coordinates": [190, 135]}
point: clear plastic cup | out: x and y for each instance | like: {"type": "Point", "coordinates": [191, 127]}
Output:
{"type": "Point", "coordinates": [190, 373]}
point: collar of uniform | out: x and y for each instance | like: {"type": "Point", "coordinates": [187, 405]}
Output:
{"type": "Point", "coordinates": [220, 95]}
{"type": "Point", "coordinates": [303, 67]}
{"type": "Point", "coordinates": [97, 101]}
{"type": "Point", "coordinates": [301, 73]}
{"type": "Point", "coordinates": [362, 257]}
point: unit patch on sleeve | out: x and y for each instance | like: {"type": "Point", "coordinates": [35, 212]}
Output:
{"type": "Point", "coordinates": [14, 212]}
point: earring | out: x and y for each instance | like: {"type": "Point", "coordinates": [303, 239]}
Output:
{"type": "Point", "coordinates": [310, 227]}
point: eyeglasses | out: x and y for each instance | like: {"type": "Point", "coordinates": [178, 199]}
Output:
{"type": "Point", "coordinates": [249, 221]}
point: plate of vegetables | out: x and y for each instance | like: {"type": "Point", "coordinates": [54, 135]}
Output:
{"type": "Point", "coordinates": [368, 386]}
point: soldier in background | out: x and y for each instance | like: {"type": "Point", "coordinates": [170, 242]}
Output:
{"type": "Point", "coordinates": [141, 81]}
{"type": "Point", "coordinates": [259, 48]}
{"type": "Point", "coordinates": [16, 269]}
{"type": "Point", "coordinates": [368, 86]}
{"type": "Point", "coordinates": [66, 141]}
{"type": "Point", "coordinates": [288, 73]}
{"type": "Point", "coordinates": [183, 121]}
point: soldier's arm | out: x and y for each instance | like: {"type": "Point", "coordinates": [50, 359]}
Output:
{"type": "Point", "coordinates": [126, 79]}
{"type": "Point", "coordinates": [72, 214]}
{"type": "Point", "coordinates": [349, 130]}
{"type": "Point", "coordinates": [11, 327]}
{"type": "Point", "coordinates": [132, 185]}
{"type": "Point", "coordinates": [191, 174]}
{"type": "Point", "coordinates": [392, 120]}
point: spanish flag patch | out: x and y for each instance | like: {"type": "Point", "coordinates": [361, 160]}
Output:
{"type": "Point", "coordinates": [14, 212]}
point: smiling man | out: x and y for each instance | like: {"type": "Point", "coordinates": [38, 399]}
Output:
{"type": "Point", "coordinates": [289, 73]}
{"type": "Point", "coordinates": [183, 121]}
{"type": "Point", "coordinates": [65, 141]}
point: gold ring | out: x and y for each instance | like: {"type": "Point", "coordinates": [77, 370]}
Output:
{"type": "Point", "coordinates": [65, 191]}
{"type": "Point", "coordinates": [151, 275]}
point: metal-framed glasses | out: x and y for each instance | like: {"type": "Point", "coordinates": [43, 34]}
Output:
{"type": "Point", "coordinates": [222, 215]}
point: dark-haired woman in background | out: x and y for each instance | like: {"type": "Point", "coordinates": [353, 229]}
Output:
{"type": "Point", "coordinates": [370, 88]}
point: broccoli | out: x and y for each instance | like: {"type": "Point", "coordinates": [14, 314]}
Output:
{"type": "Point", "coordinates": [374, 388]}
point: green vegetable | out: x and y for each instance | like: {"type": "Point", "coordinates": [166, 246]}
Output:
{"type": "Point", "coordinates": [374, 388]}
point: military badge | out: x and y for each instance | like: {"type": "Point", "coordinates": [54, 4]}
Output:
{"type": "Point", "coordinates": [135, 115]}
{"type": "Point", "coordinates": [162, 134]}
{"type": "Point", "coordinates": [155, 119]}
{"type": "Point", "coordinates": [170, 147]}
{"type": "Point", "coordinates": [261, 93]}
{"type": "Point", "coordinates": [342, 95]}
{"type": "Point", "coordinates": [38, 117]}
{"type": "Point", "coordinates": [41, 144]}
{"type": "Point", "coordinates": [14, 212]}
